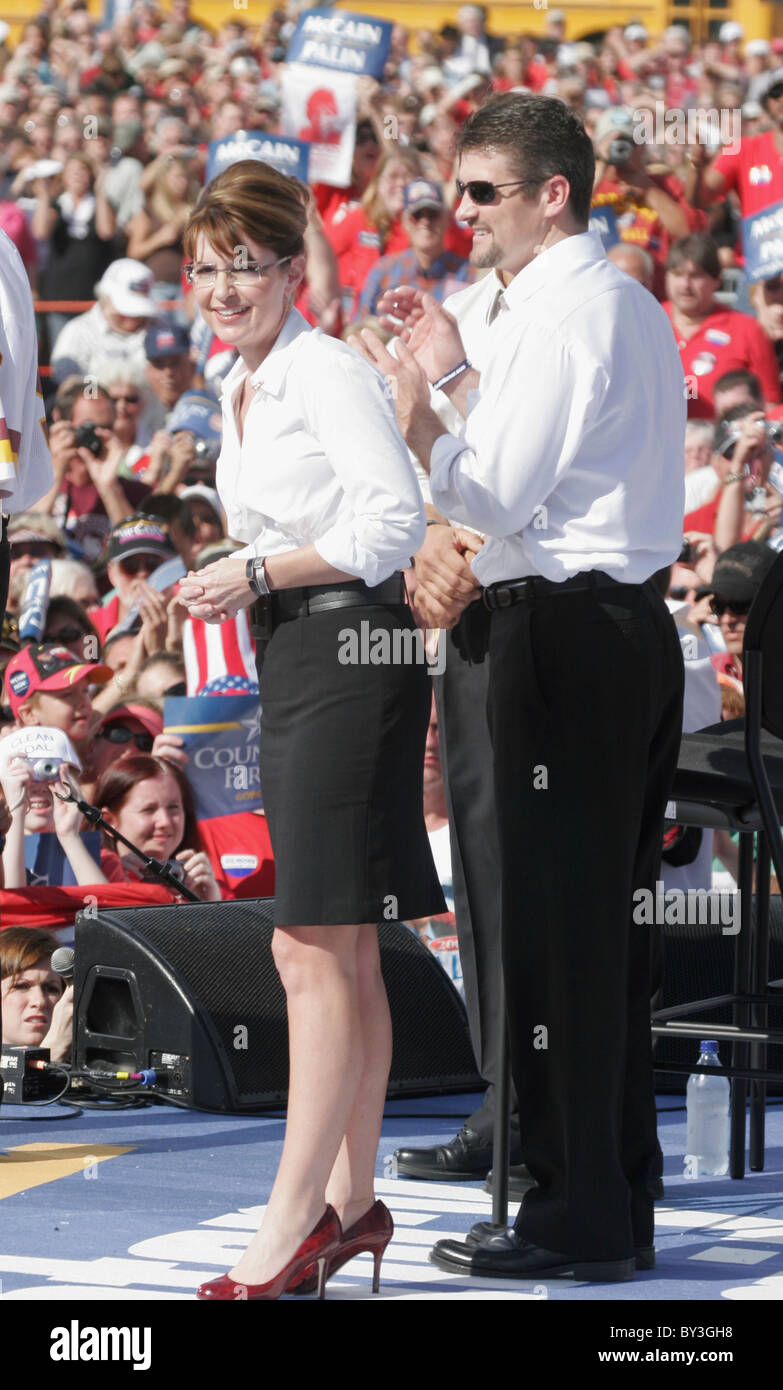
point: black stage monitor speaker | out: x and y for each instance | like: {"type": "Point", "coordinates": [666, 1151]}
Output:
{"type": "Point", "coordinates": [192, 990]}
{"type": "Point", "coordinates": [698, 963]}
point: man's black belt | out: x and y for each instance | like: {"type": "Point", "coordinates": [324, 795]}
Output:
{"type": "Point", "coordinates": [510, 591]}
{"type": "Point", "coordinates": [284, 605]}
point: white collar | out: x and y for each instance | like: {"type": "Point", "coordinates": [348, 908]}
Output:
{"type": "Point", "coordinates": [271, 373]}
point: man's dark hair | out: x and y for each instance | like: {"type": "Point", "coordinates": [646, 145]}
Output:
{"type": "Point", "coordinates": [739, 376]}
{"type": "Point", "coordinates": [542, 137]}
{"type": "Point", "coordinates": [700, 248]}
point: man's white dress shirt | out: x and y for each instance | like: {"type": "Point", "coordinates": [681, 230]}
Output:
{"type": "Point", "coordinates": [573, 451]}
{"type": "Point", "coordinates": [322, 460]}
{"type": "Point", "coordinates": [25, 462]}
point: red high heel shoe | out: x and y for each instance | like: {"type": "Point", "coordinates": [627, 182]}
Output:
{"type": "Point", "coordinates": [372, 1232]}
{"type": "Point", "coordinates": [322, 1242]}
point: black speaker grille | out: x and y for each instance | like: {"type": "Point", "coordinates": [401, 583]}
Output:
{"type": "Point", "coordinates": [221, 955]}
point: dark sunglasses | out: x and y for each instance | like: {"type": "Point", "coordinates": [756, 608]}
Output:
{"type": "Point", "coordinates": [481, 191]}
{"type": "Point", "coordinates": [37, 550]}
{"type": "Point", "coordinates": [739, 607]}
{"type": "Point", "coordinates": [118, 734]}
{"type": "Point", "coordinates": [66, 635]}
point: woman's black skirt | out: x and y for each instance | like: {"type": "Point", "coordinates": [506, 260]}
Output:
{"type": "Point", "coordinates": [342, 753]}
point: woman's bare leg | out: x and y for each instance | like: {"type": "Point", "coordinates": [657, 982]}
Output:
{"type": "Point", "coordinates": [350, 1189]}
{"type": "Point", "coordinates": [319, 968]}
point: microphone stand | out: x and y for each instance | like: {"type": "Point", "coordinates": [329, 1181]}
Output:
{"type": "Point", "coordinates": [164, 872]}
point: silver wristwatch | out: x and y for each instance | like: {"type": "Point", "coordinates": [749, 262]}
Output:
{"type": "Point", "coordinates": [254, 570]}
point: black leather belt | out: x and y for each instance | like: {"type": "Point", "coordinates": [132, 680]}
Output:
{"type": "Point", "coordinates": [511, 591]}
{"type": "Point", "coordinates": [286, 604]}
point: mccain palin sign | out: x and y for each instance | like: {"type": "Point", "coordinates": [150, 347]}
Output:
{"type": "Point", "coordinates": [286, 155]}
{"type": "Point", "coordinates": [355, 43]}
{"type": "Point", "coordinates": [762, 243]}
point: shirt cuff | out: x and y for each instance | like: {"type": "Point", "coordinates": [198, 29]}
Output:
{"type": "Point", "coordinates": [445, 452]}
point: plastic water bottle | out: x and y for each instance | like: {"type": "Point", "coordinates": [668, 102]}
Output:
{"type": "Point", "coordinates": [707, 1142]}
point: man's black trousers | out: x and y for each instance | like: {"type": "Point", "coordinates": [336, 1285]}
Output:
{"type": "Point", "coordinates": [585, 711]}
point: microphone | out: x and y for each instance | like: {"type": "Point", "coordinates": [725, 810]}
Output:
{"type": "Point", "coordinates": [62, 961]}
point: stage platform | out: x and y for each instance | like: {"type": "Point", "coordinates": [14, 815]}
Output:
{"type": "Point", "coordinates": [146, 1204]}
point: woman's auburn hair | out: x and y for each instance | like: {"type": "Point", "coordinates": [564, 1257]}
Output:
{"type": "Point", "coordinates": [250, 200]}
{"type": "Point", "coordinates": [23, 948]}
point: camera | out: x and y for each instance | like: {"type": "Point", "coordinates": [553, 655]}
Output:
{"type": "Point", "coordinates": [730, 430]}
{"type": "Point", "coordinates": [45, 769]}
{"type": "Point", "coordinates": [688, 555]}
{"type": "Point", "coordinates": [86, 437]}
{"type": "Point", "coordinates": [619, 151]}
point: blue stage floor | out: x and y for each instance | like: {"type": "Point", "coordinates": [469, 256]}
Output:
{"type": "Point", "coordinates": [145, 1205]}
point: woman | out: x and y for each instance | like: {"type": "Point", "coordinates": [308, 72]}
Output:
{"type": "Point", "coordinates": [314, 477]}
{"type": "Point", "coordinates": [37, 809]}
{"type": "Point", "coordinates": [78, 226]}
{"type": "Point", "coordinates": [374, 228]}
{"type": "Point", "coordinates": [155, 233]}
{"type": "Point", "coordinates": [37, 1005]}
{"type": "Point", "coordinates": [148, 800]}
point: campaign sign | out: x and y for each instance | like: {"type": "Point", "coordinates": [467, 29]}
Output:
{"type": "Point", "coordinates": [221, 735]}
{"type": "Point", "coordinates": [355, 43]}
{"type": "Point", "coordinates": [35, 604]}
{"type": "Point", "coordinates": [762, 243]}
{"type": "Point", "coordinates": [285, 155]}
{"type": "Point", "coordinates": [604, 222]}
{"type": "Point", "coordinates": [319, 106]}
{"type": "Point", "coordinates": [46, 862]}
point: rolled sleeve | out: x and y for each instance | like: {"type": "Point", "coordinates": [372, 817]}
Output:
{"type": "Point", "coordinates": [357, 428]}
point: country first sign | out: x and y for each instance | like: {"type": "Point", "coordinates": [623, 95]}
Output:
{"type": "Point", "coordinates": [354, 43]}
{"type": "Point", "coordinates": [762, 243]}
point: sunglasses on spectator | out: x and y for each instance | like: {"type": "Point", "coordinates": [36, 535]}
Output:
{"type": "Point", "coordinates": [37, 550]}
{"type": "Point", "coordinates": [66, 635]}
{"type": "Point", "coordinates": [119, 734]}
{"type": "Point", "coordinates": [739, 607]}
{"type": "Point", "coordinates": [135, 564]}
{"type": "Point", "coordinates": [430, 214]}
{"type": "Point", "coordinates": [481, 191]}
{"type": "Point", "coordinates": [126, 400]}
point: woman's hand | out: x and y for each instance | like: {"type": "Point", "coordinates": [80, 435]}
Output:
{"type": "Point", "coordinates": [15, 781]}
{"type": "Point", "coordinates": [59, 1039]}
{"type": "Point", "coordinates": [199, 877]}
{"type": "Point", "coordinates": [171, 747]}
{"type": "Point", "coordinates": [217, 592]}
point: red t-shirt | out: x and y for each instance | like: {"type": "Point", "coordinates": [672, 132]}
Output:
{"type": "Point", "coordinates": [725, 342]}
{"type": "Point", "coordinates": [754, 173]}
{"type": "Point", "coordinates": [357, 246]}
{"type": "Point", "coordinates": [240, 852]}
{"type": "Point", "coordinates": [335, 203]}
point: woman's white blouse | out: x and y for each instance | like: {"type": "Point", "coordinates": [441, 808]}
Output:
{"type": "Point", "coordinates": [322, 460]}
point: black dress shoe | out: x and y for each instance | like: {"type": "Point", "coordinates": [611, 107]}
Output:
{"type": "Point", "coordinates": [518, 1259]}
{"type": "Point", "coordinates": [467, 1156]}
{"type": "Point", "coordinates": [503, 1237]}
{"type": "Point", "coordinates": [520, 1181]}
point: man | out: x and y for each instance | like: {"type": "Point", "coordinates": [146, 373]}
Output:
{"type": "Point", "coordinates": [585, 695]}
{"type": "Point", "coordinates": [88, 497]}
{"type": "Point", "coordinates": [133, 551]}
{"type": "Point", "coordinates": [33, 536]}
{"type": "Point", "coordinates": [114, 327]}
{"type": "Point", "coordinates": [427, 265]}
{"type": "Point", "coordinates": [170, 366]}
{"type": "Point", "coordinates": [755, 171]}
{"type": "Point", "coordinates": [25, 461]}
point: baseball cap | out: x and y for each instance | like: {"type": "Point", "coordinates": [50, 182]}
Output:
{"type": "Point", "coordinates": [229, 685]}
{"type": "Point", "coordinates": [139, 535]}
{"type": "Point", "coordinates": [165, 340]}
{"type": "Point", "coordinates": [199, 412]}
{"type": "Point", "coordinates": [207, 494]}
{"type": "Point", "coordinates": [740, 571]}
{"type": "Point", "coordinates": [48, 667]}
{"type": "Point", "coordinates": [617, 119]}
{"type": "Point", "coordinates": [150, 719]}
{"type": "Point", "coordinates": [635, 31]}
{"type": "Point", "coordinates": [36, 526]}
{"type": "Point", "coordinates": [127, 284]}
{"type": "Point", "coordinates": [38, 741]}
{"type": "Point", "coordinates": [757, 48]}
{"type": "Point", "coordinates": [422, 193]}
{"type": "Point", "coordinates": [730, 31]}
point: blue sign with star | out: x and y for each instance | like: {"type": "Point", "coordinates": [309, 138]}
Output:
{"type": "Point", "coordinates": [221, 735]}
